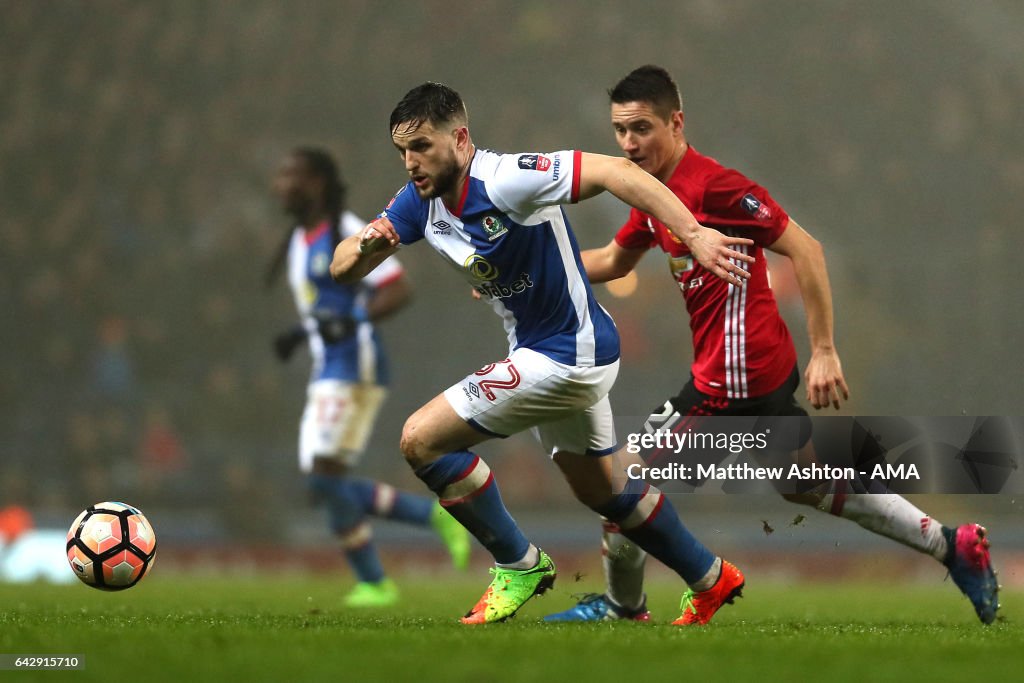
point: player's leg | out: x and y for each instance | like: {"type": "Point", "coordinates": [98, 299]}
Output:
{"type": "Point", "coordinates": [325, 459]}
{"type": "Point", "coordinates": [963, 550]}
{"type": "Point", "coordinates": [647, 518]}
{"type": "Point", "coordinates": [337, 428]}
{"type": "Point", "coordinates": [885, 514]}
{"type": "Point", "coordinates": [585, 449]}
{"type": "Point", "coordinates": [383, 500]}
{"type": "Point", "coordinates": [623, 561]}
{"type": "Point", "coordinates": [436, 442]}
{"type": "Point", "coordinates": [331, 481]}
{"type": "Point", "coordinates": [355, 408]}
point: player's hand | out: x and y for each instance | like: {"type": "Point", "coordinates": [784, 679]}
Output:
{"type": "Point", "coordinates": [475, 294]}
{"type": "Point", "coordinates": [334, 328]}
{"type": "Point", "coordinates": [286, 342]}
{"type": "Point", "coordinates": [824, 380]}
{"type": "Point", "coordinates": [377, 235]}
{"type": "Point", "coordinates": [714, 251]}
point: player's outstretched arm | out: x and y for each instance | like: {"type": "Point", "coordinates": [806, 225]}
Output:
{"type": "Point", "coordinates": [610, 262]}
{"type": "Point", "coordinates": [639, 189]}
{"type": "Point", "coordinates": [356, 256]}
{"type": "Point", "coordinates": [824, 375]}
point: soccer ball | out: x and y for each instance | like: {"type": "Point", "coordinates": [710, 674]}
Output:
{"type": "Point", "coordinates": [111, 546]}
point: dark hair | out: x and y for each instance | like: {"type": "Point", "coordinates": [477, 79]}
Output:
{"type": "Point", "coordinates": [322, 165]}
{"type": "Point", "coordinates": [650, 84]}
{"type": "Point", "coordinates": [431, 102]}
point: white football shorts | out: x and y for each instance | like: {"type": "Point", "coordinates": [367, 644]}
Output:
{"type": "Point", "coordinates": [337, 421]}
{"type": "Point", "coordinates": [566, 407]}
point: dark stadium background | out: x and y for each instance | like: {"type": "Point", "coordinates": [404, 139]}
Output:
{"type": "Point", "coordinates": [137, 140]}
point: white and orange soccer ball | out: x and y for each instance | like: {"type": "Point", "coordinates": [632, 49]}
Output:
{"type": "Point", "coordinates": [111, 546]}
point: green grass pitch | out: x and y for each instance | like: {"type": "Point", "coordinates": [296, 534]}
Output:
{"type": "Point", "coordinates": [292, 628]}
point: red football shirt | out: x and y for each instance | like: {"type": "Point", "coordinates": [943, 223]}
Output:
{"type": "Point", "coordinates": [741, 346]}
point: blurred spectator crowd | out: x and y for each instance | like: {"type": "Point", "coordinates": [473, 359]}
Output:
{"type": "Point", "coordinates": [137, 141]}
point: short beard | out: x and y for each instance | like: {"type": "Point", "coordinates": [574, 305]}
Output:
{"type": "Point", "coordinates": [446, 180]}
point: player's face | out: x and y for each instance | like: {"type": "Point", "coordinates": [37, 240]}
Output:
{"type": "Point", "coordinates": [429, 157]}
{"type": "Point", "coordinates": [646, 138]}
{"type": "Point", "coordinates": [294, 186]}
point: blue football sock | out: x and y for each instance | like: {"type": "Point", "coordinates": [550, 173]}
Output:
{"type": "Point", "coordinates": [467, 490]}
{"type": "Point", "coordinates": [362, 553]}
{"type": "Point", "coordinates": [402, 506]}
{"type": "Point", "coordinates": [345, 510]}
{"type": "Point", "coordinates": [374, 498]}
{"type": "Point", "coordinates": [347, 517]}
{"type": "Point", "coordinates": [646, 517]}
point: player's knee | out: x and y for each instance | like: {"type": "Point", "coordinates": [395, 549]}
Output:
{"type": "Point", "coordinates": [416, 450]}
{"type": "Point", "coordinates": [410, 447]}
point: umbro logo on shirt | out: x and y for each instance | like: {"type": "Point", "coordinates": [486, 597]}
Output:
{"type": "Point", "coordinates": [442, 228]}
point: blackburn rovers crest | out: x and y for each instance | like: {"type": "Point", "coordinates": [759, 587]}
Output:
{"type": "Point", "coordinates": [493, 227]}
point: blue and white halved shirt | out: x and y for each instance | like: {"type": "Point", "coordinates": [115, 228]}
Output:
{"type": "Point", "coordinates": [360, 358]}
{"type": "Point", "coordinates": [510, 238]}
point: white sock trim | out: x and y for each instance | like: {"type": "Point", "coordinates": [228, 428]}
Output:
{"type": "Point", "coordinates": [527, 561]}
{"type": "Point", "coordinates": [708, 581]}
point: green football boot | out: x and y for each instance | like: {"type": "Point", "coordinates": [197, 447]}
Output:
{"type": "Point", "coordinates": [384, 593]}
{"type": "Point", "coordinates": [510, 589]}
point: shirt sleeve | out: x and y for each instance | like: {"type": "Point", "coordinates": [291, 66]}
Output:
{"type": "Point", "coordinates": [736, 201]}
{"type": "Point", "coordinates": [407, 213]}
{"type": "Point", "coordinates": [389, 270]}
{"type": "Point", "coordinates": [522, 183]}
{"type": "Point", "coordinates": [635, 234]}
